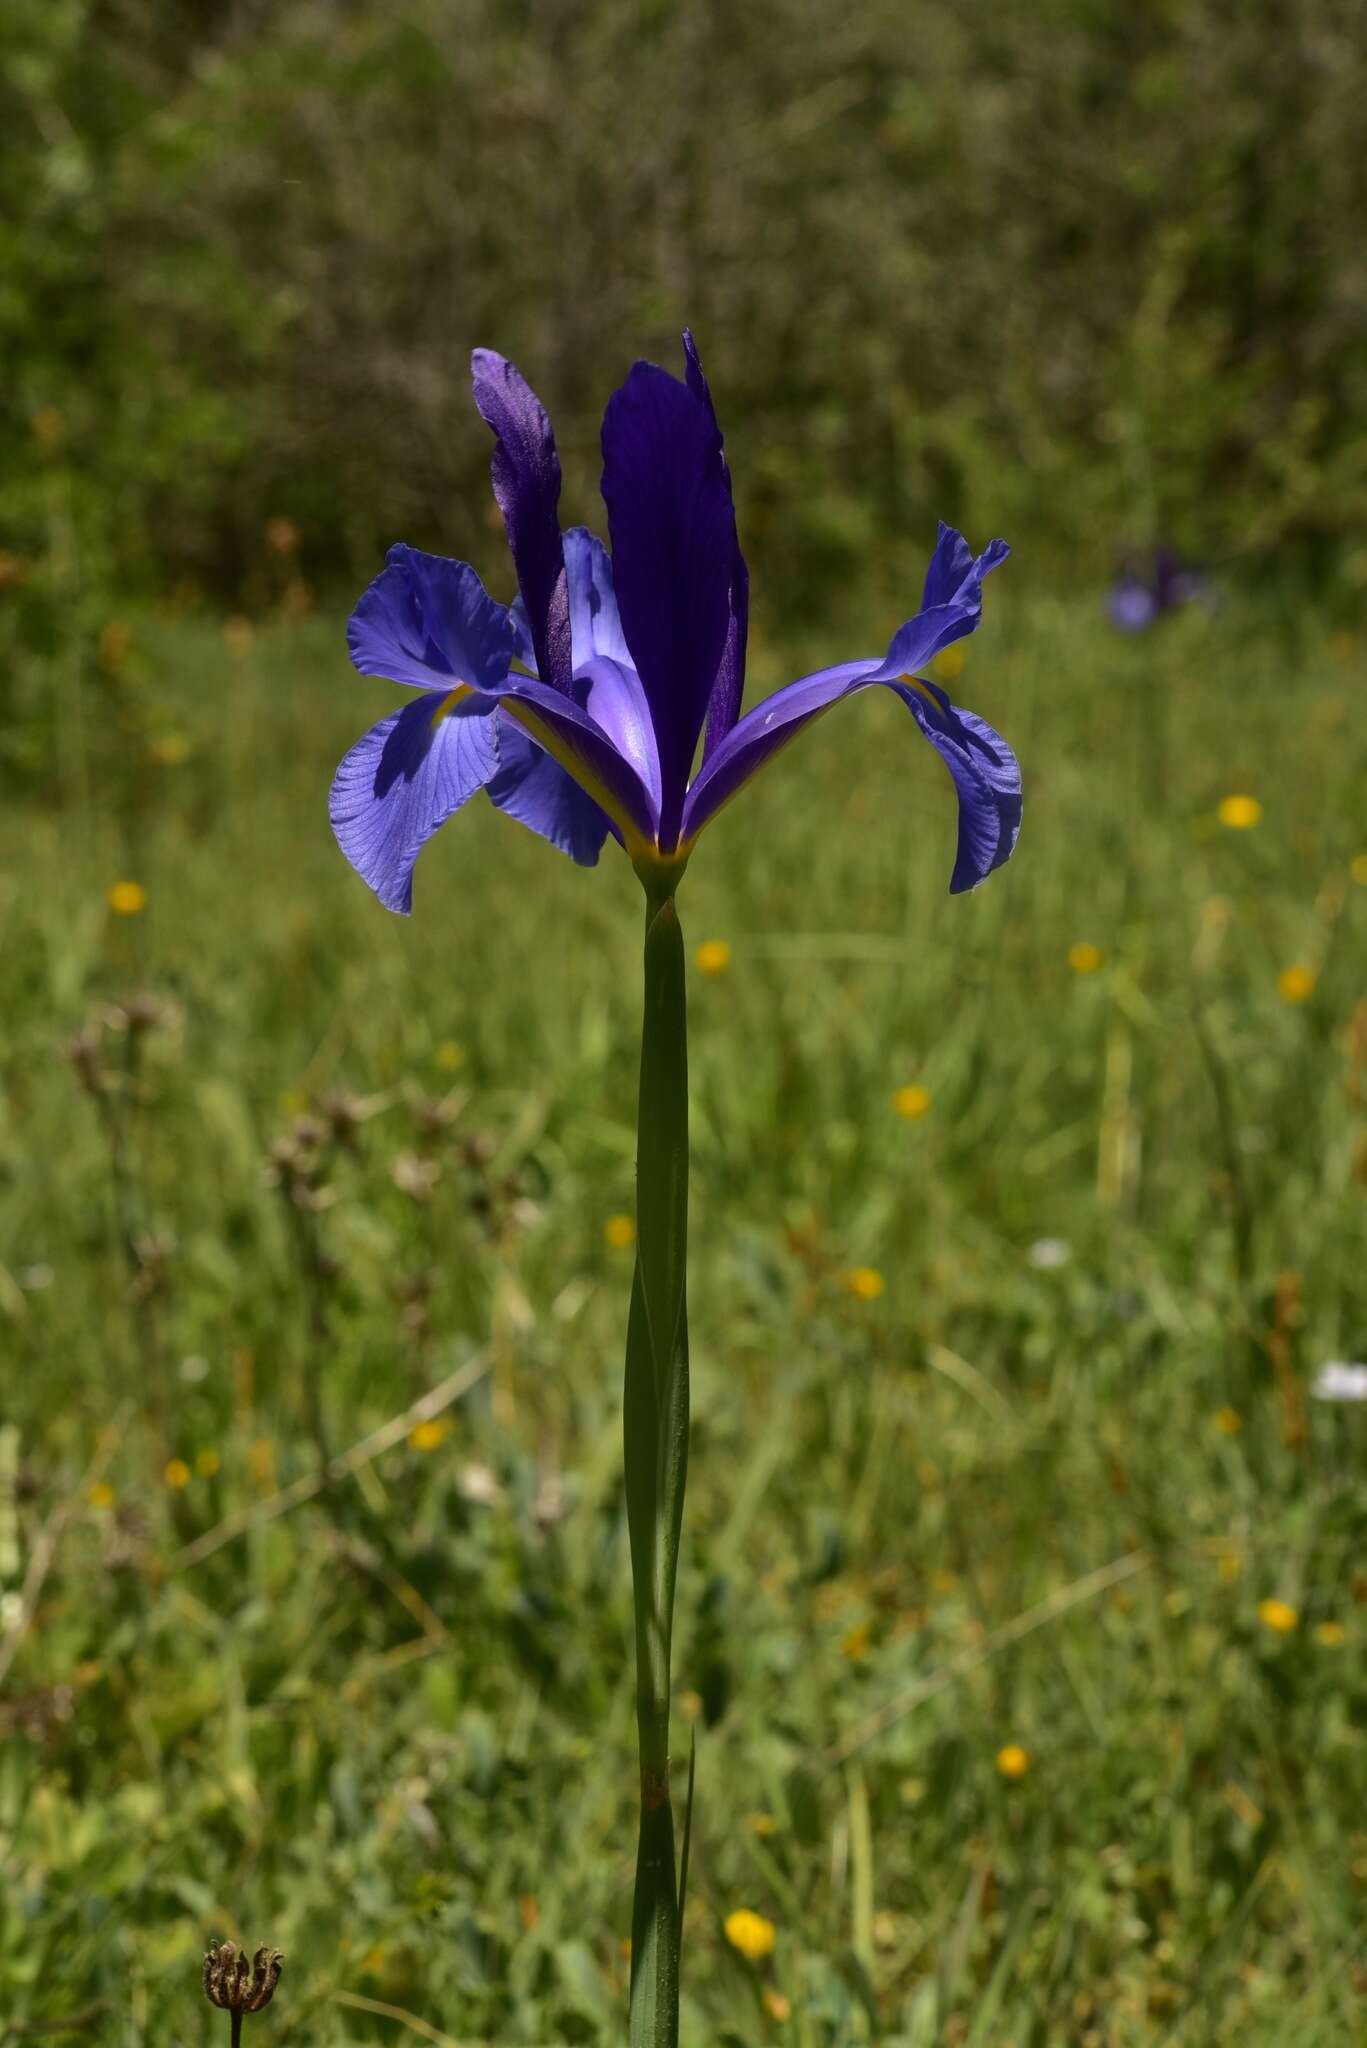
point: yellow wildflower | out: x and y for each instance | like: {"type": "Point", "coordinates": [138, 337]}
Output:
{"type": "Point", "coordinates": [948, 664]}
{"type": "Point", "coordinates": [912, 1101]}
{"type": "Point", "coordinates": [1296, 984]}
{"type": "Point", "coordinates": [865, 1283]}
{"type": "Point", "coordinates": [170, 750]}
{"type": "Point", "coordinates": [101, 1494]}
{"type": "Point", "coordinates": [450, 1056]}
{"type": "Point", "coordinates": [1240, 813]}
{"type": "Point", "coordinates": [1358, 869]}
{"type": "Point", "coordinates": [1013, 1762]}
{"type": "Point", "coordinates": [620, 1233]}
{"type": "Point", "coordinates": [1229, 1421]}
{"type": "Point", "coordinates": [176, 1474]}
{"type": "Point", "coordinates": [691, 1705]}
{"type": "Point", "coordinates": [1331, 1635]}
{"type": "Point", "coordinates": [430, 1436]}
{"type": "Point", "coordinates": [761, 1824]}
{"type": "Point", "coordinates": [751, 1933]}
{"type": "Point", "coordinates": [126, 899]}
{"type": "Point", "coordinates": [776, 2005]}
{"type": "Point", "coordinates": [207, 1463]}
{"type": "Point", "coordinates": [1085, 958]}
{"type": "Point", "coordinates": [1276, 1615]}
{"type": "Point", "coordinates": [713, 956]}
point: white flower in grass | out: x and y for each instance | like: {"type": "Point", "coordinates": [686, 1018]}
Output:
{"type": "Point", "coordinates": [1341, 1381]}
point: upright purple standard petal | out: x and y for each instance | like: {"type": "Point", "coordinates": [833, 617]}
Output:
{"type": "Point", "coordinates": [526, 474]}
{"type": "Point", "coordinates": [723, 708]}
{"type": "Point", "coordinates": [406, 777]}
{"type": "Point", "coordinates": [985, 771]}
{"type": "Point", "coordinates": [673, 554]}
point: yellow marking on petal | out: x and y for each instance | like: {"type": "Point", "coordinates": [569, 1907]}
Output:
{"type": "Point", "coordinates": [638, 848]}
{"type": "Point", "coordinates": [451, 700]}
{"type": "Point", "coordinates": [924, 688]}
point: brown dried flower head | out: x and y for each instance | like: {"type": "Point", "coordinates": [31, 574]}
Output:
{"type": "Point", "coordinates": [235, 1984]}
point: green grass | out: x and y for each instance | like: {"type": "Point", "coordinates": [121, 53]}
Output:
{"type": "Point", "coordinates": [390, 1730]}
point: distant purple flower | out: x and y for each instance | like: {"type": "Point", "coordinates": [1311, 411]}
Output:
{"type": "Point", "coordinates": [626, 661]}
{"type": "Point", "coordinates": [1137, 599]}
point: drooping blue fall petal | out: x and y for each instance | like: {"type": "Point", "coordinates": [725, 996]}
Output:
{"type": "Point", "coordinates": [986, 775]}
{"type": "Point", "coordinates": [526, 476]}
{"type": "Point", "coordinates": [408, 775]}
{"type": "Point", "coordinates": [429, 622]}
{"type": "Point", "coordinates": [673, 538]}
{"type": "Point", "coordinates": [533, 788]}
{"type": "Point", "coordinates": [985, 771]}
{"type": "Point", "coordinates": [723, 708]}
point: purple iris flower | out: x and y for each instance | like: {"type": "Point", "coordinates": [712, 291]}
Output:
{"type": "Point", "coordinates": [580, 708]}
{"type": "Point", "coordinates": [1137, 597]}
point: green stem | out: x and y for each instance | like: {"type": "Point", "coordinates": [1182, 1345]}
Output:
{"type": "Point", "coordinates": [655, 1434]}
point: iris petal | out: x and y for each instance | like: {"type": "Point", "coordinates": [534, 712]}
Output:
{"type": "Point", "coordinates": [947, 618]}
{"type": "Point", "coordinates": [533, 788]}
{"type": "Point", "coordinates": [404, 779]}
{"type": "Point", "coordinates": [673, 551]}
{"type": "Point", "coordinates": [986, 773]}
{"type": "Point", "coordinates": [425, 621]}
{"type": "Point", "coordinates": [590, 754]}
{"type": "Point", "coordinates": [595, 627]}
{"type": "Point", "coordinates": [723, 707]}
{"type": "Point", "coordinates": [526, 476]}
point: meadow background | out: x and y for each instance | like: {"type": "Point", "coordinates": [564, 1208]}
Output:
{"type": "Point", "coordinates": [1024, 1598]}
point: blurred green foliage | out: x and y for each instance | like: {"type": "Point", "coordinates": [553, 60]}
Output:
{"type": "Point", "coordinates": [1084, 271]}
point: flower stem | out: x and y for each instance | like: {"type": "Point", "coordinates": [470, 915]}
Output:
{"type": "Point", "coordinates": [655, 1434]}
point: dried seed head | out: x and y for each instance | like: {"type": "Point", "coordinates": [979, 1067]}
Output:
{"type": "Point", "coordinates": [343, 1115]}
{"type": "Point", "coordinates": [83, 1053]}
{"type": "Point", "coordinates": [235, 1984]}
{"type": "Point", "coordinates": [138, 1013]}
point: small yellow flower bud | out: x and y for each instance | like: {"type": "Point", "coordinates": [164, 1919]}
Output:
{"type": "Point", "coordinates": [1013, 1762]}
{"type": "Point", "coordinates": [126, 899]}
{"type": "Point", "coordinates": [1276, 1615]}
{"type": "Point", "coordinates": [865, 1283]}
{"type": "Point", "coordinates": [1085, 958]}
{"type": "Point", "coordinates": [751, 1933]}
{"type": "Point", "coordinates": [1239, 813]}
{"type": "Point", "coordinates": [1296, 984]}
